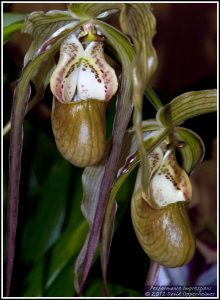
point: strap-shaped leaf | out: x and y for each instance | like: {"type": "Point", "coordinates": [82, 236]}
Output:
{"type": "Point", "coordinates": [152, 97]}
{"type": "Point", "coordinates": [11, 18]}
{"type": "Point", "coordinates": [192, 149]}
{"type": "Point", "coordinates": [93, 10]}
{"type": "Point", "coordinates": [186, 106]}
{"type": "Point", "coordinates": [148, 125]}
{"type": "Point", "coordinates": [42, 231]}
{"type": "Point", "coordinates": [65, 248]}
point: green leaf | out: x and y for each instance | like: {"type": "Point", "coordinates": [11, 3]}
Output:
{"type": "Point", "coordinates": [44, 227]}
{"type": "Point", "coordinates": [59, 257]}
{"type": "Point", "coordinates": [34, 281]}
{"type": "Point", "coordinates": [95, 289]}
{"type": "Point", "coordinates": [44, 274]}
{"type": "Point", "coordinates": [10, 30]}
{"type": "Point", "coordinates": [186, 106]}
{"type": "Point", "coordinates": [148, 125]}
{"type": "Point", "coordinates": [65, 248]}
{"type": "Point", "coordinates": [192, 150]}
{"type": "Point", "coordinates": [152, 97]}
{"type": "Point", "coordinates": [10, 18]}
{"type": "Point", "coordinates": [62, 286]}
{"type": "Point", "coordinates": [11, 23]}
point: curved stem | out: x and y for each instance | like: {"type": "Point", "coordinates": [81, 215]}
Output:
{"type": "Point", "coordinates": [16, 141]}
{"type": "Point", "coordinates": [152, 97]}
{"type": "Point", "coordinates": [152, 273]}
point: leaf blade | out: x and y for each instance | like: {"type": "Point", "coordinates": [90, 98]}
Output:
{"type": "Point", "coordinates": [11, 23]}
{"type": "Point", "coordinates": [186, 106]}
{"type": "Point", "coordinates": [10, 18]}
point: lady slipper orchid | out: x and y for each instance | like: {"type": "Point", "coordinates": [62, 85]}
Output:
{"type": "Point", "coordinates": [82, 83]}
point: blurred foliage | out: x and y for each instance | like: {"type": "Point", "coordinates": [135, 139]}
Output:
{"type": "Point", "coordinates": [11, 24]}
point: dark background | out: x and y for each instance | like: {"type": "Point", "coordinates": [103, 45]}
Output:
{"type": "Point", "coordinates": [185, 42]}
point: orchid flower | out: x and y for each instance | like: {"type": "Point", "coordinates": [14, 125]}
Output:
{"type": "Point", "coordinates": [82, 84]}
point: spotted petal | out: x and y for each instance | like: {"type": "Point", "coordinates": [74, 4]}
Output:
{"type": "Point", "coordinates": [97, 79]}
{"type": "Point", "coordinates": [64, 79]}
{"type": "Point", "coordinates": [170, 183]}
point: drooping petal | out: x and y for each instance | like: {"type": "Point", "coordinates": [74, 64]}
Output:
{"type": "Point", "coordinates": [64, 79]}
{"type": "Point", "coordinates": [97, 79]}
